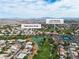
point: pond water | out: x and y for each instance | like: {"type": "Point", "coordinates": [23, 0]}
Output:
{"type": "Point", "coordinates": [67, 37]}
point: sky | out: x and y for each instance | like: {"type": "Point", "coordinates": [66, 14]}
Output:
{"type": "Point", "coordinates": [39, 8]}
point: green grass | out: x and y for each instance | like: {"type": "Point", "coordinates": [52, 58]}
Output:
{"type": "Point", "coordinates": [44, 52]}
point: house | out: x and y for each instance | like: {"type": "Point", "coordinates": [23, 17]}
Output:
{"type": "Point", "coordinates": [21, 56]}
